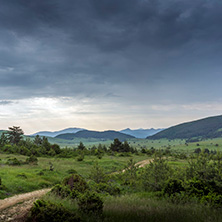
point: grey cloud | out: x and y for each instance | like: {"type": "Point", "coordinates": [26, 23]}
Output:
{"type": "Point", "coordinates": [94, 47]}
{"type": "Point", "coordinates": [5, 102]}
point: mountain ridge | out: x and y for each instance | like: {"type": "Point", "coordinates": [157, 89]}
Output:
{"type": "Point", "coordinates": [109, 134]}
{"type": "Point", "coordinates": [205, 128]}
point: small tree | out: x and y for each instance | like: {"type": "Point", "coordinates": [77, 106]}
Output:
{"type": "Point", "coordinates": [37, 140]}
{"type": "Point", "coordinates": [97, 174]}
{"type": "Point", "coordinates": [81, 146]}
{"type": "Point", "coordinates": [3, 140]}
{"type": "Point", "coordinates": [15, 134]}
{"type": "Point", "coordinates": [116, 145]}
{"type": "Point", "coordinates": [156, 173]}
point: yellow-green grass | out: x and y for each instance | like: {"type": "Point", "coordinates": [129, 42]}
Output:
{"type": "Point", "coordinates": [25, 178]}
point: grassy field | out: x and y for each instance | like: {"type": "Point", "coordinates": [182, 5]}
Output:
{"type": "Point", "coordinates": [25, 178]}
{"type": "Point", "coordinates": [142, 207]}
{"type": "Point", "coordinates": [178, 145]}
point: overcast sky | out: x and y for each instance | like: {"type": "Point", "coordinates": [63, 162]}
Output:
{"type": "Point", "coordinates": [109, 64]}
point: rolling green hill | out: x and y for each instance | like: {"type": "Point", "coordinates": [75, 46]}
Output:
{"type": "Point", "coordinates": [206, 128]}
{"type": "Point", "coordinates": [107, 135]}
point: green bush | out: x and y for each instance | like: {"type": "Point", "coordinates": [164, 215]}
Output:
{"type": "Point", "coordinates": [110, 188]}
{"type": "Point", "coordinates": [13, 162]}
{"type": "Point", "coordinates": [43, 211]}
{"type": "Point", "coordinates": [90, 203]}
{"type": "Point", "coordinates": [62, 191]}
{"type": "Point", "coordinates": [213, 199]}
{"type": "Point", "coordinates": [32, 160]}
{"type": "Point", "coordinates": [75, 182]}
{"type": "Point", "coordinates": [172, 187]}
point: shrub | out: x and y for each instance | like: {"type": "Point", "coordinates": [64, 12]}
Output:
{"type": "Point", "coordinates": [13, 162]}
{"type": "Point", "coordinates": [213, 199]}
{"type": "Point", "coordinates": [62, 191]}
{"type": "Point", "coordinates": [109, 188]}
{"type": "Point", "coordinates": [172, 187]}
{"type": "Point", "coordinates": [90, 203]}
{"type": "Point", "coordinates": [97, 174]}
{"type": "Point", "coordinates": [75, 182]}
{"type": "Point", "coordinates": [156, 174]}
{"type": "Point", "coordinates": [32, 160]}
{"type": "Point", "coordinates": [46, 211]}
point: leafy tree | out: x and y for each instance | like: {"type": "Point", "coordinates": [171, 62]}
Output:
{"type": "Point", "coordinates": [126, 147]}
{"type": "Point", "coordinates": [81, 146]}
{"type": "Point", "coordinates": [3, 140]}
{"type": "Point", "coordinates": [46, 144]}
{"type": "Point", "coordinates": [116, 145]}
{"type": "Point", "coordinates": [37, 140]}
{"type": "Point", "coordinates": [15, 134]}
{"type": "Point", "coordinates": [97, 174]}
{"type": "Point", "coordinates": [156, 174]}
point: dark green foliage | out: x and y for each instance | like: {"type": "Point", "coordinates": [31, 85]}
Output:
{"type": "Point", "coordinates": [61, 190]}
{"type": "Point", "coordinates": [156, 174]}
{"type": "Point", "coordinates": [90, 203]}
{"type": "Point", "coordinates": [130, 173]}
{"type": "Point", "coordinates": [38, 140]}
{"type": "Point", "coordinates": [204, 128]}
{"type": "Point", "coordinates": [213, 199]}
{"type": "Point", "coordinates": [107, 188]}
{"type": "Point", "coordinates": [97, 174]}
{"type": "Point", "coordinates": [75, 182]}
{"type": "Point", "coordinates": [81, 146]}
{"type": "Point", "coordinates": [80, 157]}
{"type": "Point", "coordinates": [13, 162]}
{"type": "Point", "coordinates": [118, 146]}
{"type": "Point", "coordinates": [2, 187]}
{"type": "Point", "coordinates": [32, 160]}
{"type": "Point", "coordinates": [45, 211]}
{"type": "Point", "coordinates": [3, 140]}
{"type": "Point", "coordinates": [173, 186]}
{"type": "Point", "coordinates": [15, 134]}
{"type": "Point", "coordinates": [56, 148]}
{"type": "Point", "coordinates": [109, 135]}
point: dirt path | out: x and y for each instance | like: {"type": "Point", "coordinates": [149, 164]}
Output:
{"type": "Point", "coordinates": [143, 163]}
{"type": "Point", "coordinates": [14, 208]}
{"type": "Point", "coordinates": [140, 164]}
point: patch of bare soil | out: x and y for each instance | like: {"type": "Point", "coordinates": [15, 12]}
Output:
{"type": "Point", "coordinates": [17, 207]}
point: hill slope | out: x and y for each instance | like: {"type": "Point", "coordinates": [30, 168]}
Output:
{"type": "Point", "coordinates": [95, 134]}
{"type": "Point", "coordinates": [210, 127]}
{"type": "Point", "coordinates": [56, 133]}
{"type": "Point", "coordinates": [141, 133]}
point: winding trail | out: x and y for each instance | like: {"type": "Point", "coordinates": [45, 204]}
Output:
{"type": "Point", "coordinates": [16, 208]}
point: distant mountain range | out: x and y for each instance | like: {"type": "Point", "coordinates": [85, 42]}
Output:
{"type": "Point", "coordinates": [137, 133]}
{"type": "Point", "coordinates": [108, 135]}
{"type": "Point", "coordinates": [56, 133]}
{"type": "Point", "coordinates": [141, 133]}
{"type": "Point", "coordinates": [206, 128]}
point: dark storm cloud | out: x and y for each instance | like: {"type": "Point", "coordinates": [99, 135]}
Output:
{"type": "Point", "coordinates": [67, 48]}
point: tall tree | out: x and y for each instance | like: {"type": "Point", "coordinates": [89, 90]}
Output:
{"type": "Point", "coordinates": [15, 134]}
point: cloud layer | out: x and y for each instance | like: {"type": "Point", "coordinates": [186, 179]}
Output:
{"type": "Point", "coordinates": [128, 53]}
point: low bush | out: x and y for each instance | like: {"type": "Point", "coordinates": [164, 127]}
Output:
{"type": "Point", "coordinates": [90, 203]}
{"type": "Point", "coordinates": [13, 162]}
{"type": "Point", "coordinates": [46, 211]}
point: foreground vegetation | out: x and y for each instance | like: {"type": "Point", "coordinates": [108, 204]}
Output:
{"type": "Point", "coordinates": [103, 183]}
